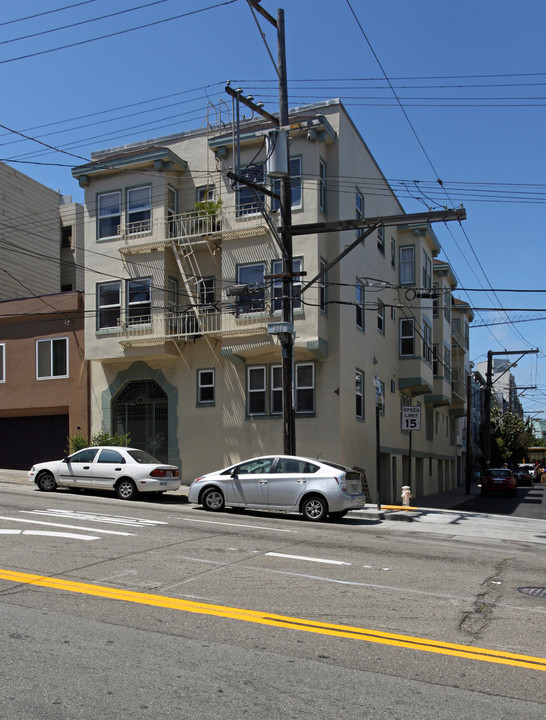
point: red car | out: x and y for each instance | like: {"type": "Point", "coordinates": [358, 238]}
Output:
{"type": "Point", "coordinates": [499, 481]}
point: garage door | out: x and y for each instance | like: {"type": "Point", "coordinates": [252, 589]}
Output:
{"type": "Point", "coordinates": [27, 440]}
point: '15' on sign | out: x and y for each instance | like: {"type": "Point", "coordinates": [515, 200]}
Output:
{"type": "Point", "coordinates": [411, 418]}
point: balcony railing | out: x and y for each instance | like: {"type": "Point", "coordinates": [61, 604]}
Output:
{"type": "Point", "coordinates": [195, 225]}
{"type": "Point", "coordinates": [169, 325]}
{"type": "Point", "coordinates": [458, 384]}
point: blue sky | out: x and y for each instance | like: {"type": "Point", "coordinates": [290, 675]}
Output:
{"type": "Point", "coordinates": [464, 103]}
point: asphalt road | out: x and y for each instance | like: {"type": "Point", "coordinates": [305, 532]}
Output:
{"type": "Point", "coordinates": [156, 608]}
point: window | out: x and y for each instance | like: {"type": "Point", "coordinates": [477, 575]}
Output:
{"type": "Point", "coordinates": [359, 210]}
{"type": "Point", "coordinates": [427, 271]}
{"type": "Point", "coordinates": [253, 299]}
{"type": "Point", "coordinates": [205, 387]}
{"type": "Point", "coordinates": [139, 304]}
{"type": "Point", "coordinates": [447, 307]}
{"type": "Point", "coordinates": [2, 362]}
{"type": "Point", "coordinates": [139, 209]}
{"type": "Point", "coordinates": [206, 193]}
{"type": "Point", "coordinates": [276, 389]}
{"type": "Point", "coordinates": [447, 363]}
{"type": "Point", "coordinates": [381, 317]}
{"type": "Point", "coordinates": [108, 305]}
{"type": "Point", "coordinates": [277, 291]}
{"type": "Point", "coordinates": [393, 252]}
{"type": "Point", "coordinates": [205, 294]}
{"type": "Point", "coordinates": [51, 358]}
{"type": "Point", "coordinates": [407, 265]}
{"type": "Point", "coordinates": [256, 390]}
{"type": "Point", "coordinates": [435, 359]}
{"type": "Point", "coordinates": [359, 394]}
{"type": "Point", "coordinates": [295, 186]}
{"type": "Point", "coordinates": [407, 337]}
{"type": "Point", "coordinates": [322, 287]}
{"type": "Point", "coordinates": [393, 386]}
{"type": "Point", "coordinates": [84, 456]}
{"type": "Point", "coordinates": [359, 302]}
{"type": "Point", "coordinates": [322, 186]}
{"type": "Point", "coordinates": [66, 237]}
{"type": "Point", "coordinates": [435, 301]}
{"type": "Point", "coordinates": [246, 200]}
{"type": "Point", "coordinates": [427, 343]}
{"type": "Point", "coordinates": [380, 396]}
{"type": "Point", "coordinates": [109, 214]}
{"type": "Point", "coordinates": [110, 456]}
{"type": "Point", "coordinates": [305, 388]}
{"type": "Point", "coordinates": [172, 210]}
{"type": "Point", "coordinates": [381, 240]}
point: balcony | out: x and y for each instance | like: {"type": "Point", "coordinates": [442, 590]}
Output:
{"type": "Point", "coordinates": [195, 227]}
{"type": "Point", "coordinates": [190, 325]}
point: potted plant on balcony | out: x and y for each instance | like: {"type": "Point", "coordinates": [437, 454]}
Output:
{"type": "Point", "coordinates": [210, 209]}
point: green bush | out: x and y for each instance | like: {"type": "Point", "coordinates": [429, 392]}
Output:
{"type": "Point", "coordinates": [103, 437]}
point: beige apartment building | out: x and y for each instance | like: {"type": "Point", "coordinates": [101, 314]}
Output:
{"type": "Point", "coordinates": [179, 297]}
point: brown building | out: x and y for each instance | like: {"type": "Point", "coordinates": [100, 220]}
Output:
{"type": "Point", "coordinates": [43, 377]}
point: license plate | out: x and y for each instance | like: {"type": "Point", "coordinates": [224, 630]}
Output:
{"type": "Point", "coordinates": [162, 482]}
{"type": "Point", "coordinates": [498, 481]}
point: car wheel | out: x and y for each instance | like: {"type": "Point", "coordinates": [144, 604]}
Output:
{"type": "Point", "coordinates": [213, 499]}
{"type": "Point", "coordinates": [314, 508]}
{"type": "Point", "coordinates": [46, 482]}
{"type": "Point", "coordinates": [126, 489]}
{"type": "Point", "coordinates": [338, 515]}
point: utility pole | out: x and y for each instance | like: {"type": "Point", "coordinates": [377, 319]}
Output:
{"type": "Point", "coordinates": [487, 402]}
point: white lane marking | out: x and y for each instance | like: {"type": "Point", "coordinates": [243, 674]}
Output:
{"type": "Point", "coordinates": [72, 527]}
{"type": "Point", "coordinates": [309, 559]}
{"type": "Point", "coordinates": [254, 527]}
{"type": "Point", "coordinates": [91, 517]}
{"type": "Point", "coordinates": [47, 533]}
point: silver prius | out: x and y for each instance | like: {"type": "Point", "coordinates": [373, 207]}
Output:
{"type": "Point", "coordinates": [314, 488]}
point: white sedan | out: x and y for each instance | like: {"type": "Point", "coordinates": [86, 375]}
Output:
{"type": "Point", "coordinates": [127, 471]}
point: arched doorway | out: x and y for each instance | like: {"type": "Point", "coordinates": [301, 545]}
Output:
{"type": "Point", "coordinates": [141, 408]}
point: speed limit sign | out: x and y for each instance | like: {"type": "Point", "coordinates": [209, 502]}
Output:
{"type": "Point", "coordinates": [411, 417]}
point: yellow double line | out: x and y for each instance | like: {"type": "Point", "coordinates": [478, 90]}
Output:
{"type": "Point", "coordinates": [282, 621]}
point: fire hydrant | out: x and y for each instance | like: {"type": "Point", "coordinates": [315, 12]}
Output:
{"type": "Point", "coordinates": [406, 495]}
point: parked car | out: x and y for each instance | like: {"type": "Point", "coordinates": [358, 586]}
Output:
{"type": "Point", "coordinates": [499, 481]}
{"type": "Point", "coordinates": [127, 471]}
{"type": "Point", "coordinates": [314, 488]}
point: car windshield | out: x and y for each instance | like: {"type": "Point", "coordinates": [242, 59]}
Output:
{"type": "Point", "coordinates": [143, 458]}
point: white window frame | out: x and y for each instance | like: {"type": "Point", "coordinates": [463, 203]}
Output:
{"type": "Point", "coordinates": [427, 343]}
{"type": "Point", "coordinates": [131, 304]}
{"type": "Point", "coordinates": [2, 362]}
{"type": "Point", "coordinates": [380, 317]}
{"type": "Point", "coordinates": [407, 265]}
{"type": "Point", "coordinates": [275, 389]}
{"type": "Point", "coordinates": [52, 375]}
{"type": "Point", "coordinates": [110, 307]}
{"type": "Point", "coordinates": [381, 239]}
{"type": "Point", "coordinates": [277, 287]}
{"type": "Point", "coordinates": [322, 186]}
{"type": "Point", "coordinates": [405, 336]}
{"type": "Point", "coordinates": [206, 294]}
{"type": "Point", "coordinates": [359, 394]}
{"type": "Point", "coordinates": [427, 271]}
{"type": "Point", "coordinates": [206, 193]}
{"type": "Point", "coordinates": [143, 208]}
{"type": "Point", "coordinates": [359, 209]}
{"type": "Point", "coordinates": [323, 292]}
{"type": "Point", "coordinates": [447, 363]}
{"type": "Point", "coordinates": [251, 392]}
{"type": "Point", "coordinates": [300, 388]}
{"type": "Point", "coordinates": [105, 215]}
{"type": "Point", "coordinates": [256, 175]}
{"type": "Point", "coordinates": [251, 302]}
{"type": "Point", "coordinates": [296, 187]}
{"type": "Point", "coordinates": [393, 252]}
{"type": "Point", "coordinates": [359, 305]}
{"type": "Point", "coordinates": [203, 387]}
